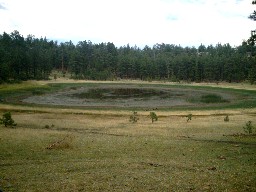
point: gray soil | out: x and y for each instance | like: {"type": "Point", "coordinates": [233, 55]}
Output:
{"type": "Point", "coordinates": [144, 97]}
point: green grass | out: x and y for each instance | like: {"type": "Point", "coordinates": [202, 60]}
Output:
{"type": "Point", "coordinates": [212, 98]}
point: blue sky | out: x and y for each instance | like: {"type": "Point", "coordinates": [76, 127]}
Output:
{"type": "Point", "coordinates": [137, 22]}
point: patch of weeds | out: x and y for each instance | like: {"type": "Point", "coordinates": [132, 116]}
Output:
{"type": "Point", "coordinates": [189, 117]}
{"type": "Point", "coordinates": [73, 88]}
{"type": "Point", "coordinates": [7, 120]}
{"type": "Point", "coordinates": [37, 92]}
{"type": "Point", "coordinates": [48, 126]}
{"type": "Point", "coordinates": [64, 143]}
{"type": "Point", "coordinates": [153, 116]}
{"type": "Point", "coordinates": [212, 98]}
{"type": "Point", "coordinates": [248, 127]}
{"type": "Point", "coordinates": [134, 117]}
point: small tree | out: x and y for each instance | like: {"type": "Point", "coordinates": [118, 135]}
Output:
{"type": "Point", "coordinates": [226, 119]}
{"type": "Point", "coordinates": [134, 117]}
{"type": "Point", "coordinates": [153, 116]}
{"type": "Point", "coordinates": [248, 127]}
{"type": "Point", "coordinates": [189, 117]}
{"type": "Point", "coordinates": [7, 120]}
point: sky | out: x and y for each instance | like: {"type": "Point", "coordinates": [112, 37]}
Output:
{"type": "Point", "coordinates": [134, 22]}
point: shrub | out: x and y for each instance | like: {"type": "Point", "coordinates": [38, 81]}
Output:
{"type": "Point", "coordinates": [48, 126]}
{"type": "Point", "coordinates": [7, 120]}
{"type": "Point", "coordinates": [153, 116]}
{"type": "Point", "coordinates": [189, 117]}
{"type": "Point", "coordinates": [134, 117]}
{"type": "Point", "coordinates": [226, 119]}
{"type": "Point", "coordinates": [248, 127]}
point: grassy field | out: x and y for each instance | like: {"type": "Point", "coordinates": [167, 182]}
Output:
{"type": "Point", "coordinates": [67, 149]}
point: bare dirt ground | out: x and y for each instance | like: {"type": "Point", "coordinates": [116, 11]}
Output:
{"type": "Point", "coordinates": [176, 96]}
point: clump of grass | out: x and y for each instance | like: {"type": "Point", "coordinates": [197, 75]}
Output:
{"type": "Point", "coordinates": [37, 92]}
{"type": "Point", "coordinates": [189, 117]}
{"type": "Point", "coordinates": [212, 98]}
{"type": "Point", "coordinates": [134, 117]}
{"type": "Point", "coordinates": [226, 119]}
{"type": "Point", "coordinates": [64, 143]}
{"type": "Point", "coordinates": [48, 126]}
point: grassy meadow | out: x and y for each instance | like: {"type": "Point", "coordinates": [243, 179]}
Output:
{"type": "Point", "coordinates": [75, 149]}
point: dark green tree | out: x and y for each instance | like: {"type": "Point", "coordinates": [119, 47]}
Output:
{"type": "Point", "coordinates": [253, 32]}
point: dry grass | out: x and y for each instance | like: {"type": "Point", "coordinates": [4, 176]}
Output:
{"type": "Point", "coordinates": [60, 79]}
{"type": "Point", "coordinates": [100, 150]}
{"type": "Point", "coordinates": [108, 153]}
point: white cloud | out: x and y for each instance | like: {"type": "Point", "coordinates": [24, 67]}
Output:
{"type": "Point", "coordinates": [141, 22]}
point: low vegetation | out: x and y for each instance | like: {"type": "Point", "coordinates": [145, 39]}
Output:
{"type": "Point", "coordinates": [189, 117]}
{"type": "Point", "coordinates": [212, 98]}
{"type": "Point", "coordinates": [65, 143]}
{"type": "Point", "coordinates": [226, 119]}
{"type": "Point", "coordinates": [249, 128]}
{"type": "Point", "coordinates": [81, 149]}
{"type": "Point", "coordinates": [134, 117]}
{"type": "Point", "coordinates": [104, 152]}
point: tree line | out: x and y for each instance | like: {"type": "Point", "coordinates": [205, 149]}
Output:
{"type": "Point", "coordinates": [34, 58]}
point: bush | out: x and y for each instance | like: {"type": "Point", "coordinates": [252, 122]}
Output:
{"type": "Point", "coordinates": [7, 120]}
{"type": "Point", "coordinates": [189, 117]}
{"type": "Point", "coordinates": [48, 126]}
{"type": "Point", "coordinates": [134, 117]}
{"type": "Point", "coordinates": [153, 116]}
{"type": "Point", "coordinates": [248, 127]}
{"type": "Point", "coordinates": [226, 119]}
